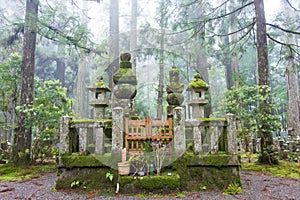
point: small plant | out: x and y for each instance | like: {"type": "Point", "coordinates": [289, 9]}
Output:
{"type": "Point", "coordinates": [181, 194]}
{"type": "Point", "coordinates": [202, 188]}
{"type": "Point", "coordinates": [78, 184]}
{"type": "Point", "coordinates": [233, 189]}
{"type": "Point", "coordinates": [109, 176]}
{"type": "Point", "coordinates": [75, 183]}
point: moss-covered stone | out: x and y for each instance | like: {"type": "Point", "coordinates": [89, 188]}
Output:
{"type": "Point", "coordinates": [211, 171]}
{"type": "Point", "coordinates": [153, 184]}
{"type": "Point", "coordinates": [175, 99]}
{"type": "Point", "coordinates": [75, 161]}
{"type": "Point", "coordinates": [175, 88]}
{"type": "Point", "coordinates": [197, 83]}
{"type": "Point", "coordinates": [125, 91]}
{"type": "Point", "coordinates": [125, 75]}
{"type": "Point", "coordinates": [88, 178]}
{"type": "Point", "coordinates": [125, 64]}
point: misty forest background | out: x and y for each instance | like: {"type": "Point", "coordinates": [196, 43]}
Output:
{"type": "Point", "coordinates": [79, 40]}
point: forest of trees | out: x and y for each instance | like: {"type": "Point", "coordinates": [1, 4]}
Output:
{"type": "Point", "coordinates": [51, 50]}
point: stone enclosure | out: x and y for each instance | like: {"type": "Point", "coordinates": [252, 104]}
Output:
{"type": "Point", "coordinates": [147, 155]}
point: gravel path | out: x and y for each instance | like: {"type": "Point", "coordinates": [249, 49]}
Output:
{"type": "Point", "coordinates": [256, 186]}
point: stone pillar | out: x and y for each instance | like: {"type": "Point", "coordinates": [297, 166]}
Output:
{"type": "Point", "coordinates": [231, 134]}
{"type": "Point", "coordinates": [99, 145]}
{"type": "Point", "coordinates": [179, 130]}
{"type": "Point", "coordinates": [82, 140]}
{"type": "Point", "coordinates": [197, 136]}
{"type": "Point", "coordinates": [64, 140]}
{"type": "Point", "coordinates": [117, 132]}
{"type": "Point", "coordinates": [214, 139]}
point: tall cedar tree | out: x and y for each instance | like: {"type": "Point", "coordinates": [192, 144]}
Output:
{"type": "Point", "coordinates": [22, 140]}
{"type": "Point", "coordinates": [263, 78]}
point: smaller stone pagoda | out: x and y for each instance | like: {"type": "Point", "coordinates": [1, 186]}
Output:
{"type": "Point", "coordinates": [99, 102]}
{"type": "Point", "coordinates": [197, 88]}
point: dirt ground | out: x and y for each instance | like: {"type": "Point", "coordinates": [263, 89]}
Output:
{"type": "Point", "coordinates": [256, 186]}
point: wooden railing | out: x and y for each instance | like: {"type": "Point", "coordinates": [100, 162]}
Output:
{"type": "Point", "coordinates": [140, 131]}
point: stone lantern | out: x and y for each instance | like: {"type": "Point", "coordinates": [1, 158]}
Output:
{"type": "Point", "coordinates": [125, 84]}
{"type": "Point", "coordinates": [197, 88]}
{"type": "Point", "coordinates": [99, 101]}
{"type": "Point", "coordinates": [174, 90]}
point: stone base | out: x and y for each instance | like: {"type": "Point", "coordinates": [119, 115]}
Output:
{"type": "Point", "coordinates": [190, 173]}
{"type": "Point", "coordinates": [211, 171]}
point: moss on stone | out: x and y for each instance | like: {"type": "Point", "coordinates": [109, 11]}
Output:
{"type": "Point", "coordinates": [75, 160]}
{"type": "Point", "coordinates": [175, 99]}
{"type": "Point", "coordinates": [211, 171]}
{"type": "Point", "coordinates": [125, 64]}
{"type": "Point", "coordinates": [125, 75]}
{"type": "Point", "coordinates": [89, 179]}
{"type": "Point", "coordinates": [197, 83]}
{"type": "Point", "coordinates": [102, 122]}
{"type": "Point", "coordinates": [175, 88]}
{"type": "Point", "coordinates": [153, 184]}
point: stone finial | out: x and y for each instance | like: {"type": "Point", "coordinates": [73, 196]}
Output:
{"type": "Point", "coordinates": [125, 57]}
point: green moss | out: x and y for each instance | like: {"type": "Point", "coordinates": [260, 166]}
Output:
{"type": "Point", "coordinates": [175, 88]}
{"type": "Point", "coordinates": [284, 169]}
{"type": "Point", "coordinates": [212, 171]}
{"type": "Point", "coordinates": [197, 83]}
{"type": "Point", "coordinates": [125, 75]}
{"type": "Point", "coordinates": [76, 160]}
{"type": "Point", "coordinates": [91, 178]}
{"type": "Point", "coordinates": [155, 184]}
{"type": "Point", "coordinates": [10, 172]}
{"type": "Point", "coordinates": [175, 99]}
{"type": "Point", "coordinates": [102, 122]}
{"type": "Point", "coordinates": [125, 64]}
{"type": "Point", "coordinates": [158, 183]}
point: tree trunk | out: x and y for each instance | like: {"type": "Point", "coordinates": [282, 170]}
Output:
{"type": "Point", "coordinates": [22, 140]}
{"type": "Point", "coordinates": [114, 38]}
{"type": "Point", "coordinates": [133, 34]}
{"type": "Point", "coordinates": [263, 79]}
{"type": "Point", "coordinates": [161, 61]}
{"type": "Point", "coordinates": [235, 68]}
{"type": "Point", "coordinates": [60, 71]}
{"type": "Point", "coordinates": [81, 91]}
{"type": "Point", "coordinates": [291, 80]}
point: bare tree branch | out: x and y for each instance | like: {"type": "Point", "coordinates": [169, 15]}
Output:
{"type": "Point", "coordinates": [291, 5]}
{"type": "Point", "coordinates": [285, 30]}
{"type": "Point", "coordinates": [227, 14]}
{"type": "Point", "coordinates": [284, 44]}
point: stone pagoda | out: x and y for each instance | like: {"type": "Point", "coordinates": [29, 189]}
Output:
{"type": "Point", "coordinates": [197, 88]}
{"type": "Point", "coordinates": [125, 84]}
{"type": "Point", "coordinates": [99, 102]}
{"type": "Point", "coordinates": [174, 90]}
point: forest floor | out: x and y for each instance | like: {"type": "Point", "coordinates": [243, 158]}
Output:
{"type": "Point", "coordinates": [256, 185]}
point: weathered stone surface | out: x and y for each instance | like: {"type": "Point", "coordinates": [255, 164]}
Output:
{"type": "Point", "coordinates": [231, 133]}
{"type": "Point", "coordinates": [82, 139]}
{"type": "Point", "coordinates": [99, 147]}
{"type": "Point", "coordinates": [117, 132]}
{"type": "Point", "coordinates": [179, 131]}
{"type": "Point", "coordinates": [64, 134]}
{"type": "Point", "coordinates": [197, 136]}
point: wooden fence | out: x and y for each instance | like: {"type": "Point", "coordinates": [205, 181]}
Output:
{"type": "Point", "coordinates": [140, 131]}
